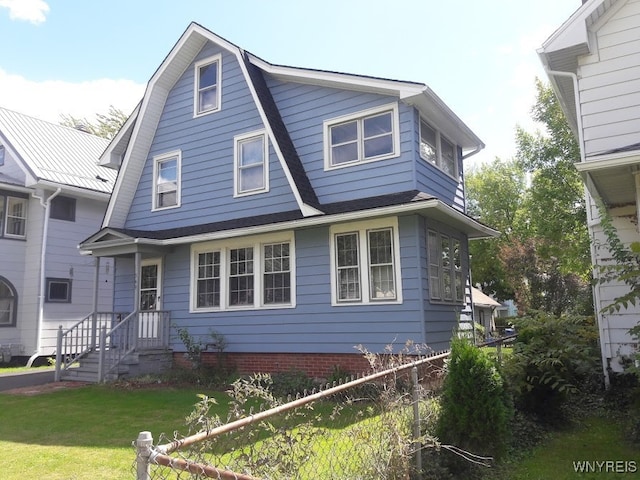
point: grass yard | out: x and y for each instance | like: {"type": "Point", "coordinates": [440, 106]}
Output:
{"type": "Point", "coordinates": [598, 439]}
{"type": "Point", "coordinates": [87, 432]}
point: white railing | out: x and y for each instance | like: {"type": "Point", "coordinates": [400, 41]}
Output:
{"type": "Point", "coordinates": [113, 335]}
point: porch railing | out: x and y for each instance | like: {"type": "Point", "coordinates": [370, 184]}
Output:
{"type": "Point", "coordinates": [113, 335]}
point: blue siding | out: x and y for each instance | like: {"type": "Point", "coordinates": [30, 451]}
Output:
{"type": "Point", "coordinates": [207, 156]}
{"type": "Point", "coordinates": [314, 325]}
{"type": "Point", "coordinates": [304, 108]}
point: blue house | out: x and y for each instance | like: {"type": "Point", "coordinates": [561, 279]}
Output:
{"type": "Point", "coordinates": [296, 212]}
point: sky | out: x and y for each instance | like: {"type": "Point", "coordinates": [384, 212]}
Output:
{"type": "Point", "coordinates": [78, 58]}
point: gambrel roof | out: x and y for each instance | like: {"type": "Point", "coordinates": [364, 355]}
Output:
{"type": "Point", "coordinates": [129, 149]}
{"type": "Point", "coordinates": [55, 154]}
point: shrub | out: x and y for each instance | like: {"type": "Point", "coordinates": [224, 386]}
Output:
{"type": "Point", "coordinates": [475, 408]}
{"type": "Point", "coordinates": [553, 358]}
{"type": "Point", "coordinates": [291, 383]}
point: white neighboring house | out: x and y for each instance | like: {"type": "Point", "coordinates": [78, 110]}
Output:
{"type": "Point", "coordinates": [593, 63]}
{"type": "Point", "coordinates": [485, 310]}
{"type": "Point", "coordinates": [53, 195]}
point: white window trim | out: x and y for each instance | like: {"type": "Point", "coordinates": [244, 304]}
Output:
{"type": "Point", "coordinates": [160, 158]}
{"type": "Point", "coordinates": [66, 281]}
{"type": "Point", "coordinates": [362, 228]}
{"type": "Point", "coordinates": [224, 247]}
{"type": "Point", "coordinates": [196, 85]}
{"type": "Point", "coordinates": [395, 126]}
{"type": "Point", "coordinates": [455, 298]}
{"type": "Point", "coordinates": [8, 198]}
{"type": "Point", "coordinates": [236, 163]}
{"type": "Point", "coordinates": [438, 146]}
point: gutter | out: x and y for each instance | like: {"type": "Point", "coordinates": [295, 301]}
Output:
{"type": "Point", "coordinates": [46, 204]}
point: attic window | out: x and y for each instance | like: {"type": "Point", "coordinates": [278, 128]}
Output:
{"type": "Point", "coordinates": [1, 155]}
{"type": "Point", "coordinates": [207, 86]}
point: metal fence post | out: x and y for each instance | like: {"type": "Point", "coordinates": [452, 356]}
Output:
{"type": "Point", "coordinates": [416, 421]}
{"type": "Point", "coordinates": [59, 355]}
{"type": "Point", "coordinates": [143, 452]}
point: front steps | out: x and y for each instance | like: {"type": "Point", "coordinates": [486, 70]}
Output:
{"type": "Point", "coordinates": [143, 362]}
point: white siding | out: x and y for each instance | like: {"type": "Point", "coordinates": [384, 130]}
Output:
{"type": "Point", "coordinates": [610, 83]}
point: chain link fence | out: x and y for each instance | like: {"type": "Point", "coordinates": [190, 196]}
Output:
{"type": "Point", "coordinates": [374, 426]}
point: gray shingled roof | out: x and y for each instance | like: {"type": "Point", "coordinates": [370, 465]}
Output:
{"type": "Point", "coordinates": [58, 154]}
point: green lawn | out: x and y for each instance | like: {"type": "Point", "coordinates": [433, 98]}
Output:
{"type": "Point", "coordinates": [598, 439]}
{"type": "Point", "coordinates": [86, 432]}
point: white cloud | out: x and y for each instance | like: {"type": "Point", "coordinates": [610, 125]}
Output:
{"type": "Point", "coordinates": [33, 11]}
{"type": "Point", "coordinates": [50, 99]}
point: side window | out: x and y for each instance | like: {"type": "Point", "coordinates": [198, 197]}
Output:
{"type": "Point", "coordinates": [446, 279]}
{"type": "Point", "coordinates": [58, 290]}
{"type": "Point", "coordinates": [437, 150]}
{"type": "Point", "coordinates": [251, 171]}
{"type": "Point", "coordinates": [63, 208]}
{"type": "Point", "coordinates": [16, 217]}
{"type": "Point", "coordinates": [166, 180]}
{"type": "Point", "coordinates": [207, 88]}
{"type": "Point", "coordinates": [8, 303]}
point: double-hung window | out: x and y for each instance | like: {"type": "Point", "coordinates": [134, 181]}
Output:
{"type": "Point", "coordinates": [446, 282]}
{"type": "Point", "coordinates": [15, 217]}
{"type": "Point", "coordinates": [437, 150]}
{"type": "Point", "coordinates": [362, 137]}
{"type": "Point", "coordinates": [366, 263]}
{"type": "Point", "coordinates": [253, 275]}
{"type": "Point", "coordinates": [251, 171]}
{"type": "Point", "coordinates": [166, 180]}
{"type": "Point", "coordinates": [207, 87]}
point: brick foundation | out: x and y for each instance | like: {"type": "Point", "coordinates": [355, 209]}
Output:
{"type": "Point", "coordinates": [315, 365]}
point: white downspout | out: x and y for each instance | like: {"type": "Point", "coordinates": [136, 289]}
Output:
{"type": "Point", "coordinates": [603, 321]}
{"type": "Point", "coordinates": [46, 204]}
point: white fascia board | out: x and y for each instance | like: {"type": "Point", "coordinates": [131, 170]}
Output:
{"type": "Point", "coordinates": [29, 171]}
{"type": "Point", "coordinates": [611, 160]}
{"type": "Point", "coordinates": [119, 142]}
{"type": "Point", "coordinates": [75, 191]}
{"type": "Point", "coordinates": [573, 31]}
{"type": "Point", "coordinates": [482, 231]}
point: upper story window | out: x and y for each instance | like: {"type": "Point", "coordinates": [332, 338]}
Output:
{"type": "Point", "coordinates": [13, 216]}
{"type": "Point", "coordinates": [8, 303]}
{"type": "Point", "coordinates": [207, 86]}
{"type": "Point", "coordinates": [1, 155]}
{"type": "Point", "coordinates": [446, 282]}
{"type": "Point", "coordinates": [436, 149]}
{"type": "Point", "coordinates": [251, 173]}
{"type": "Point", "coordinates": [63, 208]}
{"type": "Point", "coordinates": [362, 137]}
{"type": "Point", "coordinates": [259, 274]}
{"type": "Point", "coordinates": [166, 180]}
{"type": "Point", "coordinates": [366, 262]}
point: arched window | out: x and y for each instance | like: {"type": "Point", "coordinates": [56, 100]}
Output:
{"type": "Point", "coordinates": [8, 303]}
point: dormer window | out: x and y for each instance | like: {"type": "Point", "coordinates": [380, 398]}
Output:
{"type": "Point", "coordinates": [207, 86]}
{"type": "Point", "coordinates": [166, 180]}
{"type": "Point", "coordinates": [1, 155]}
{"type": "Point", "coordinates": [363, 137]}
{"type": "Point", "coordinates": [437, 150]}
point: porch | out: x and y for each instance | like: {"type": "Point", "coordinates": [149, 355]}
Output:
{"type": "Point", "coordinates": [106, 346]}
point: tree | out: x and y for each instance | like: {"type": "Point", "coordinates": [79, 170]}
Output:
{"type": "Point", "coordinates": [537, 201]}
{"type": "Point", "coordinates": [107, 125]}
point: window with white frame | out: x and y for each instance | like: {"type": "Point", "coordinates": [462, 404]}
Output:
{"type": "Point", "coordinates": [15, 223]}
{"type": "Point", "coordinates": [8, 303]}
{"type": "Point", "coordinates": [366, 262]}
{"type": "Point", "coordinates": [228, 276]}
{"type": "Point", "coordinates": [362, 137]}
{"type": "Point", "coordinates": [58, 290]}
{"type": "Point", "coordinates": [437, 150]}
{"type": "Point", "coordinates": [207, 86]}
{"type": "Point", "coordinates": [166, 180]}
{"type": "Point", "coordinates": [446, 282]}
{"type": "Point", "coordinates": [251, 171]}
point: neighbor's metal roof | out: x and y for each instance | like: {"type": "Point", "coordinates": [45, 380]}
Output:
{"type": "Point", "coordinates": [57, 154]}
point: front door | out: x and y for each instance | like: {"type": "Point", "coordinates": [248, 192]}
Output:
{"type": "Point", "coordinates": [150, 300]}
{"type": "Point", "coordinates": [150, 284]}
